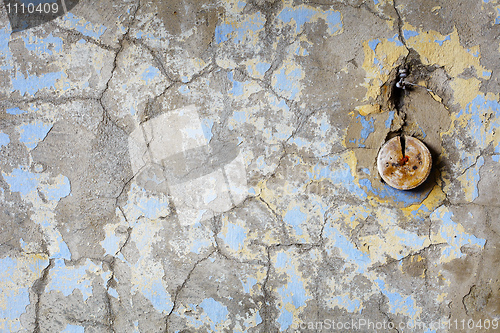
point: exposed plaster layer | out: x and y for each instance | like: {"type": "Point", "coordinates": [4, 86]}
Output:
{"type": "Point", "coordinates": [286, 103]}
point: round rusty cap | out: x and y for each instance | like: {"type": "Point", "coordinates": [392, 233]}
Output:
{"type": "Point", "coordinates": [407, 170]}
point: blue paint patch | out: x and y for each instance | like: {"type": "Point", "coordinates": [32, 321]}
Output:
{"type": "Point", "coordinates": [42, 46]}
{"type": "Point", "coordinates": [32, 134]}
{"type": "Point", "coordinates": [247, 287]}
{"type": "Point", "coordinates": [386, 192]}
{"type": "Point", "coordinates": [111, 244]}
{"type": "Point", "coordinates": [334, 20]}
{"type": "Point", "coordinates": [300, 52]}
{"type": "Point", "coordinates": [422, 131]}
{"type": "Point", "coordinates": [285, 319]}
{"type": "Point", "coordinates": [22, 181]}
{"type": "Point", "coordinates": [235, 236]}
{"type": "Point", "coordinates": [475, 110]}
{"type": "Point", "coordinates": [66, 279]}
{"type": "Point", "coordinates": [240, 116]}
{"type": "Point", "coordinates": [395, 39]}
{"type": "Point", "coordinates": [262, 67]}
{"type": "Point", "coordinates": [6, 59]}
{"type": "Point", "coordinates": [287, 83]}
{"type": "Point", "coordinates": [347, 248]}
{"type": "Point", "coordinates": [408, 239]}
{"type": "Point", "coordinates": [238, 31]}
{"type": "Point", "coordinates": [158, 296]}
{"type": "Point", "coordinates": [184, 89]}
{"type": "Point", "coordinates": [496, 158]}
{"type": "Point", "coordinates": [55, 193]}
{"type": "Point", "coordinates": [397, 303]}
{"type": "Point", "coordinates": [455, 239]}
{"type": "Point", "coordinates": [324, 126]}
{"type": "Point", "coordinates": [293, 292]}
{"type": "Point", "coordinates": [258, 319]}
{"type": "Point", "coordinates": [113, 292]}
{"type": "Point", "coordinates": [199, 244]}
{"type": "Point", "coordinates": [207, 125]}
{"type": "Point", "coordinates": [34, 83]}
{"type": "Point", "coordinates": [15, 111]}
{"type": "Point", "coordinates": [300, 142]}
{"type": "Point", "coordinates": [150, 73]}
{"type": "Point", "coordinates": [486, 74]}
{"type": "Point", "coordinates": [375, 2]}
{"type": "Point", "coordinates": [193, 322]}
{"type": "Point", "coordinates": [440, 42]}
{"type": "Point", "coordinates": [149, 206]}
{"type": "Point", "coordinates": [347, 303]}
{"type": "Point", "coordinates": [17, 299]}
{"type": "Point", "coordinates": [215, 311]}
{"type": "Point", "coordinates": [237, 89]}
{"type": "Point", "coordinates": [295, 217]}
{"type": "Point", "coordinates": [338, 175]}
{"type": "Point", "coordinates": [421, 209]}
{"type": "Point", "coordinates": [373, 43]}
{"type": "Point", "coordinates": [73, 329]}
{"type": "Point", "coordinates": [389, 120]}
{"type": "Point", "coordinates": [4, 139]}
{"type": "Point", "coordinates": [281, 104]}
{"type": "Point", "coordinates": [301, 15]}
{"type": "Point", "coordinates": [368, 126]}
{"type": "Point", "coordinates": [83, 26]}
{"type": "Point", "coordinates": [409, 33]}
{"type": "Point", "coordinates": [27, 183]}
{"type": "Point", "coordinates": [475, 54]}
{"type": "Point", "coordinates": [222, 33]}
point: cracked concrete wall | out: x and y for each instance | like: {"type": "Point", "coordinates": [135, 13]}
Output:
{"type": "Point", "coordinates": [93, 236]}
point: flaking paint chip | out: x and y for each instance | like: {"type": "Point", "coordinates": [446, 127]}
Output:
{"type": "Point", "coordinates": [404, 162]}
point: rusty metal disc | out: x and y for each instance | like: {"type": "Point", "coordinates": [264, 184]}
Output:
{"type": "Point", "coordinates": [407, 170]}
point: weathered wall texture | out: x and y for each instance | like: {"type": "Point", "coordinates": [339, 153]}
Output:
{"type": "Point", "coordinates": [210, 166]}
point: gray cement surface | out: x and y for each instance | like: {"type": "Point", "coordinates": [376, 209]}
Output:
{"type": "Point", "coordinates": [210, 166]}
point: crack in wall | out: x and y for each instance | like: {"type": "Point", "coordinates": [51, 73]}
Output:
{"type": "Point", "coordinates": [39, 288]}
{"type": "Point", "coordinates": [180, 288]}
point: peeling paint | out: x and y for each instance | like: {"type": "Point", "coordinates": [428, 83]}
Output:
{"type": "Point", "coordinates": [225, 176]}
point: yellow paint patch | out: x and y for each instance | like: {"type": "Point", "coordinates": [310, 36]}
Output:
{"type": "Point", "coordinates": [433, 201]}
{"type": "Point", "coordinates": [368, 109]}
{"type": "Point", "coordinates": [387, 53]}
{"type": "Point", "coordinates": [441, 297]}
{"type": "Point", "coordinates": [450, 54]}
{"type": "Point", "coordinates": [465, 90]}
